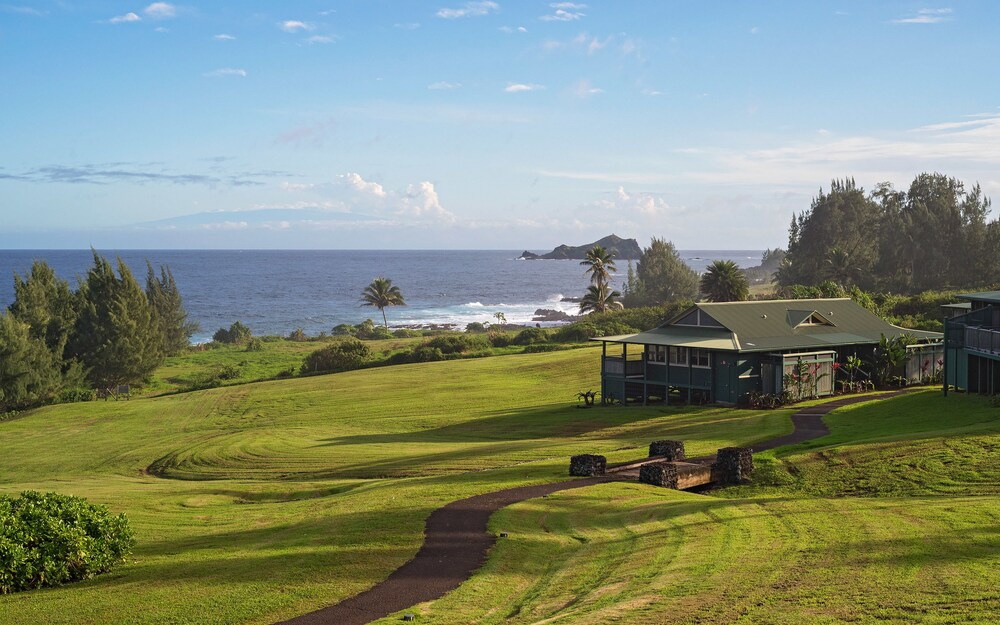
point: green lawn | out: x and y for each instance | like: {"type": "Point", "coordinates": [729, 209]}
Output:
{"type": "Point", "coordinates": [902, 530]}
{"type": "Point", "coordinates": [257, 502]}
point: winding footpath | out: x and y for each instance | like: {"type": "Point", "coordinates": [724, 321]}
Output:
{"type": "Point", "coordinates": [456, 541]}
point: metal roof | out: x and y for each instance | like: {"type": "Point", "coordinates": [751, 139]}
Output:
{"type": "Point", "coordinates": [680, 336]}
{"type": "Point", "coordinates": [758, 326]}
{"type": "Point", "coordinates": [992, 297]}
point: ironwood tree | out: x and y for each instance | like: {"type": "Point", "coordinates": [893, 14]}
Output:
{"type": "Point", "coordinates": [116, 337]}
{"type": "Point", "coordinates": [168, 310]}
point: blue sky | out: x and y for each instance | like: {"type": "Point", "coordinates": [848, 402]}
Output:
{"type": "Point", "coordinates": [483, 124]}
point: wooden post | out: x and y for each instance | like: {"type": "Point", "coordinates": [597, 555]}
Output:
{"type": "Point", "coordinates": [604, 364]}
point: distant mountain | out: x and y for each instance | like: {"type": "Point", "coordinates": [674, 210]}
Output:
{"type": "Point", "coordinates": [625, 249]}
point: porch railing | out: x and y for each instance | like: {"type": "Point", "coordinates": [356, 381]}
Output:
{"type": "Point", "coordinates": [623, 368]}
{"type": "Point", "coordinates": [982, 339]}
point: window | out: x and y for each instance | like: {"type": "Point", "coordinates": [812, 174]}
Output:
{"type": "Point", "coordinates": [656, 353]}
{"type": "Point", "coordinates": [679, 356]}
{"type": "Point", "coordinates": [699, 358]}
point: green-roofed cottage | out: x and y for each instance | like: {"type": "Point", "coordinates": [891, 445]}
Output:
{"type": "Point", "coordinates": [972, 344]}
{"type": "Point", "coordinates": [721, 352]}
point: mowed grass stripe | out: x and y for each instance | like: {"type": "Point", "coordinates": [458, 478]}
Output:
{"type": "Point", "coordinates": [693, 559]}
{"type": "Point", "coordinates": [271, 520]}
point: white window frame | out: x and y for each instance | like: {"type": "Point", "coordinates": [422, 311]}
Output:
{"type": "Point", "coordinates": [697, 354]}
{"type": "Point", "coordinates": [678, 352]}
{"type": "Point", "coordinates": [656, 354]}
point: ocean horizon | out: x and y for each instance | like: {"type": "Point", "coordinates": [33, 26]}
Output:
{"type": "Point", "coordinates": [276, 291]}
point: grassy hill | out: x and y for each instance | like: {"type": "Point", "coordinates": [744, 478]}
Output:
{"type": "Point", "coordinates": [257, 502]}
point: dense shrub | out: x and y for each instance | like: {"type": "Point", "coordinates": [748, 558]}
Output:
{"type": "Point", "coordinates": [228, 372]}
{"type": "Point", "coordinates": [499, 339]}
{"type": "Point", "coordinates": [255, 345]}
{"type": "Point", "coordinates": [457, 343]}
{"type": "Point", "coordinates": [475, 326]}
{"type": "Point", "coordinates": [540, 347]}
{"type": "Point", "coordinates": [406, 333]}
{"type": "Point", "coordinates": [298, 334]}
{"type": "Point", "coordinates": [343, 355]}
{"type": "Point", "coordinates": [237, 334]}
{"type": "Point", "coordinates": [343, 329]}
{"type": "Point", "coordinates": [367, 330]}
{"type": "Point", "coordinates": [530, 336]}
{"type": "Point", "coordinates": [50, 539]}
{"type": "Point", "coordinates": [426, 353]}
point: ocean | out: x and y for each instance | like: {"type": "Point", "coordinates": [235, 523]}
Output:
{"type": "Point", "coordinates": [276, 291]}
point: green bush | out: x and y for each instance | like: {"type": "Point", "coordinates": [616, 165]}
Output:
{"type": "Point", "coordinates": [499, 339]}
{"type": "Point", "coordinates": [426, 353]}
{"type": "Point", "coordinates": [344, 329]}
{"type": "Point", "coordinates": [530, 336]}
{"type": "Point", "coordinates": [406, 333]}
{"type": "Point", "coordinates": [237, 334]}
{"type": "Point", "coordinates": [457, 343]}
{"type": "Point", "coordinates": [343, 355]}
{"type": "Point", "coordinates": [475, 327]}
{"type": "Point", "coordinates": [540, 347]}
{"type": "Point", "coordinates": [255, 345]}
{"type": "Point", "coordinates": [298, 334]}
{"type": "Point", "coordinates": [228, 372]}
{"type": "Point", "coordinates": [47, 539]}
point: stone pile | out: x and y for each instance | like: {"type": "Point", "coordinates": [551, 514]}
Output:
{"type": "Point", "coordinates": [587, 465]}
{"type": "Point", "coordinates": [732, 465]}
{"type": "Point", "coordinates": [672, 451]}
{"type": "Point", "coordinates": [659, 474]}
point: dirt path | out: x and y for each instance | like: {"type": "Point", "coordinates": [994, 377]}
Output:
{"type": "Point", "coordinates": [456, 541]}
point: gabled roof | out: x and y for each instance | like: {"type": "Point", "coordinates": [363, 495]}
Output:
{"type": "Point", "coordinates": [774, 325]}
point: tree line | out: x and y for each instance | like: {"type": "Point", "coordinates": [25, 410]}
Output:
{"type": "Point", "coordinates": [57, 344]}
{"type": "Point", "coordinates": [934, 235]}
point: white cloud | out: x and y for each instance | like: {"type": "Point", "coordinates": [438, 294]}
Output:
{"type": "Point", "coordinates": [583, 89]}
{"type": "Point", "coordinates": [509, 30]}
{"type": "Point", "coordinates": [754, 30]}
{"type": "Point", "coordinates": [407, 25]}
{"type": "Point", "coordinates": [443, 85]}
{"type": "Point", "coordinates": [6, 8]}
{"type": "Point", "coordinates": [161, 29]}
{"type": "Point", "coordinates": [321, 39]}
{"type": "Point", "coordinates": [296, 186]}
{"type": "Point", "coordinates": [421, 200]}
{"type": "Point", "coordinates": [926, 16]}
{"type": "Point", "coordinates": [124, 19]}
{"type": "Point", "coordinates": [517, 87]}
{"type": "Point", "coordinates": [564, 12]}
{"type": "Point", "coordinates": [224, 37]}
{"type": "Point", "coordinates": [469, 9]}
{"type": "Point", "coordinates": [648, 204]}
{"type": "Point", "coordinates": [651, 92]}
{"type": "Point", "coordinates": [226, 71]}
{"type": "Point", "coordinates": [292, 26]}
{"type": "Point", "coordinates": [365, 187]}
{"type": "Point", "coordinates": [160, 11]}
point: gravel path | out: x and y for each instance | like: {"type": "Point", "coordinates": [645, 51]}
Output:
{"type": "Point", "coordinates": [456, 541]}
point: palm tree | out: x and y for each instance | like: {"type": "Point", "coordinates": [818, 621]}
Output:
{"type": "Point", "coordinates": [598, 299]}
{"type": "Point", "coordinates": [840, 267]}
{"type": "Point", "coordinates": [600, 263]}
{"type": "Point", "coordinates": [724, 281]}
{"type": "Point", "coordinates": [380, 294]}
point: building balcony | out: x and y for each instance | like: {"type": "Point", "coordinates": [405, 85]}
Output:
{"type": "Point", "coordinates": [985, 340]}
{"type": "Point", "coordinates": [620, 367]}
